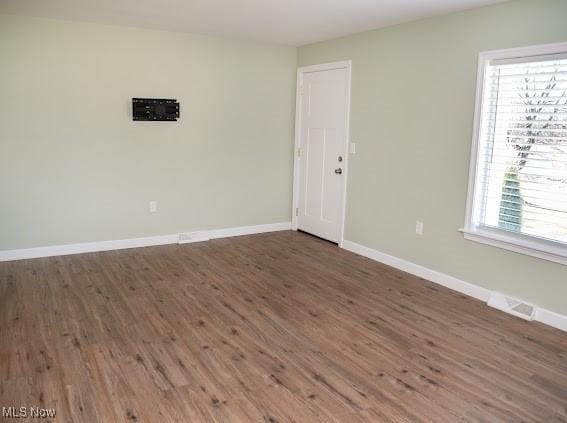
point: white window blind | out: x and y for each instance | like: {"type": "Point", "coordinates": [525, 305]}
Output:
{"type": "Point", "coordinates": [521, 158]}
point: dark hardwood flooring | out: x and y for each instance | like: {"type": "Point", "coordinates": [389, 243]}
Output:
{"type": "Point", "coordinates": [278, 327]}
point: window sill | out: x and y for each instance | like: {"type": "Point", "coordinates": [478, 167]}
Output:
{"type": "Point", "coordinates": [524, 245]}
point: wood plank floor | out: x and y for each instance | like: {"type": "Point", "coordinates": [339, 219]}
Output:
{"type": "Point", "coordinates": [279, 327]}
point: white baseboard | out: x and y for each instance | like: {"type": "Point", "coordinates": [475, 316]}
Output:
{"type": "Point", "coordinates": [90, 247]}
{"type": "Point", "coordinates": [249, 230]}
{"type": "Point", "coordinates": [550, 318]}
{"type": "Point", "coordinates": [423, 272]}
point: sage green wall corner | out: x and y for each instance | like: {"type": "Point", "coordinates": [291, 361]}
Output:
{"type": "Point", "coordinates": [413, 95]}
{"type": "Point", "coordinates": [74, 167]}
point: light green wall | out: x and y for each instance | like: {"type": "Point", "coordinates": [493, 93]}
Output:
{"type": "Point", "coordinates": [74, 167]}
{"type": "Point", "coordinates": [413, 94]}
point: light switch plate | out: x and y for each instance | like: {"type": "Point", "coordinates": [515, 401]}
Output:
{"type": "Point", "coordinates": [352, 148]}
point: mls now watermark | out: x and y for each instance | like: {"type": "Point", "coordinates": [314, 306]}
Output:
{"type": "Point", "coordinates": [28, 412]}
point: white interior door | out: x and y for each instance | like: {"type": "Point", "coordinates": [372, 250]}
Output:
{"type": "Point", "coordinates": [323, 120]}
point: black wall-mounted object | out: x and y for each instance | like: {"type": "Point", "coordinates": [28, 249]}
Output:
{"type": "Point", "coordinates": [155, 109]}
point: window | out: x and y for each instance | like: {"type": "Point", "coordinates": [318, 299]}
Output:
{"type": "Point", "coordinates": [518, 182]}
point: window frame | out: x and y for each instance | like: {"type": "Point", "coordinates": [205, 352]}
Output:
{"type": "Point", "coordinates": [520, 243]}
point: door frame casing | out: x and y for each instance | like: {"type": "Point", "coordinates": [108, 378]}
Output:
{"type": "Point", "coordinates": [346, 64]}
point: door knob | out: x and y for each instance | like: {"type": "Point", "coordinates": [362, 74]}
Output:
{"type": "Point", "coordinates": [338, 171]}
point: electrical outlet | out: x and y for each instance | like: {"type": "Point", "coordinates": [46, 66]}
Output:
{"type": "Point", "coordinates": [153, 206]}
{"type": "Point", "coordinates": [419, 227]}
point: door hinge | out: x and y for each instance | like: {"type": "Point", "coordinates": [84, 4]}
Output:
{"type": "Point", "coordinates": [300, 90]}
{"type": "Point", "coordinates": [299, 152]}
{"type": "Point", "coordinates": [297, 211]}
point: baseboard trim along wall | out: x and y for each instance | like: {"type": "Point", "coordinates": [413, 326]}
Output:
{"type": "Point", "coordinates": [542, 315]}
{"type": "Point", "coordinates": [91, 247]}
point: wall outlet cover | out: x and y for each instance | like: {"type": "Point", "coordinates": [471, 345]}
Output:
{"type": "Point", "coordinates": [419, 227]}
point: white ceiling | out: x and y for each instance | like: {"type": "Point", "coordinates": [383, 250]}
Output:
{"type": "Point", "coordinates": [292, 22]}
